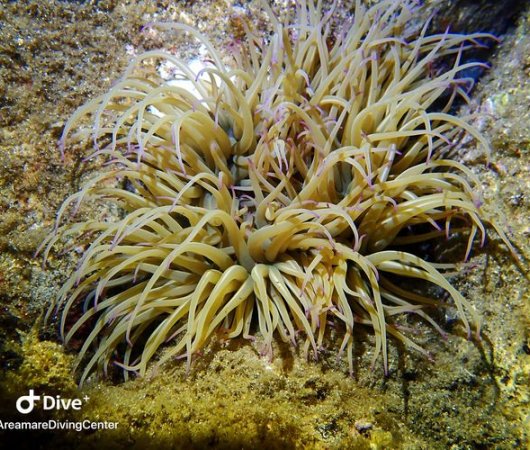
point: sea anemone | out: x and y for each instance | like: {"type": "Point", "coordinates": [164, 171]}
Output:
{"type": "Point", "coordinates": [283, 194]}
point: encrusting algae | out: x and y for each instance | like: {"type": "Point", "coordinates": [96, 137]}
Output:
{"type": "Point", "coordinates": [287, 191]}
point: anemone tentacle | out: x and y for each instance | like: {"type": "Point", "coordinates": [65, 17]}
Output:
{"type": "Point", "coordinates": [279, 194]}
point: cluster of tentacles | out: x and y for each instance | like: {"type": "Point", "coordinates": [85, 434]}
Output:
{"type": "Point", "coordinates": [276, 195]}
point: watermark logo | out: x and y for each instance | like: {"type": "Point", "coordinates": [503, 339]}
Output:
{"type": "Point", "coordinates": [26, 403]}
